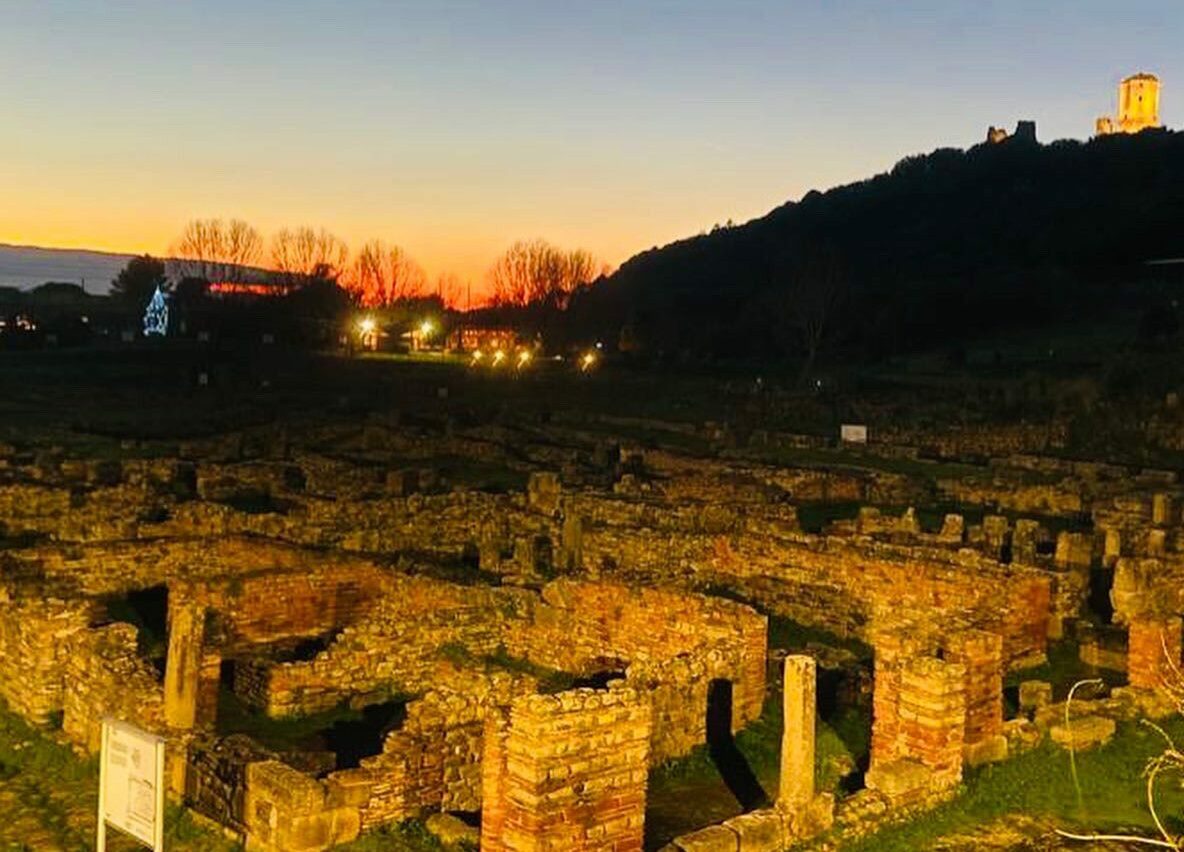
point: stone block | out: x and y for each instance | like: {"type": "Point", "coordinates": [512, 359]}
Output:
{"type": "Point", "coordinates": [989, 750]}
{"type": "Point", "coordinates": [1035, 694]}
{"type": "Point", "coordinates": [1083, 733]}
{"type": "Point", "coordinates": [1022, 735]}
{"type": "Point", "coordinates": [899, 779]}
{"type": "Point", "coordinates": [714, 838]}
{"type": "Point", "coordinates": [759, 831]}
{"type": "Point", "coordinates": [349, 788]}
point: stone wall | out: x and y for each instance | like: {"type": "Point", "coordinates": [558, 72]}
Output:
{"type": "Point", "coordinates": [843, 584]}
{"type": "Point", "coordinates": [34, 647]}
{"type": "Point", "coordinates": [937, 704]}
{"type": "Point", "coordinates": [670, 646]}
{"type": "Point", "coordinates": [917, 745]}
{"type": "Point", "coordinates": [106, 677]}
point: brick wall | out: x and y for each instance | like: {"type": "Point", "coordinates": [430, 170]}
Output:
{"type": "Point", "coordinates": [1153, 652]}
{"type": "Point", "coordinates": [568, 771]}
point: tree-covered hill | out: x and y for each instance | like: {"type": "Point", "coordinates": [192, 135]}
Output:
{"type": "Point", "coordinates": [946, 245]}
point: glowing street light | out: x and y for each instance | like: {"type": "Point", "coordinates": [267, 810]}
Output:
{"type": "Point", "coordinates": [587, 362]}
{"type": "Point", "coordinates": [366, 325]}
{"type": "Point", "coordinates": [426, 328]}
{"type": "Point", "coordinates": [498, 357]}
{"type": "Point", "coordinates": [523, 358]}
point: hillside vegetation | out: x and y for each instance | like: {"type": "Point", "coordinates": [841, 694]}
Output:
{"type": "Point", "coordinates": [945, 245]}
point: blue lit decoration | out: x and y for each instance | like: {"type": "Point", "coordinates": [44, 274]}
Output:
{"type": "Point", "coordinates": [156, 317]}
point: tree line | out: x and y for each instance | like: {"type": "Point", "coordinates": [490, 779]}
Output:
{"type": "Point", "coordinates": [215, 250]}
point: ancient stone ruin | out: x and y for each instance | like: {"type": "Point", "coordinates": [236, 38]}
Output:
{"type": "Point", "coordinates": [530, 657]}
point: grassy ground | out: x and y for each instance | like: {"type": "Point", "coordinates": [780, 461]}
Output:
{"type": "Point", "coordinates": [690, 793]}
{"type": "Point", "coordinates": [1063, 668]}
{"type": "Point", "coordinates": [47, 795]}
{"type": "Point", "coordinates": [1111, 796]}
{"type": "Point", "coordinates": [48, 798]}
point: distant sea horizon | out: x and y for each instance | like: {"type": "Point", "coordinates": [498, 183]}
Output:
{"type": "Point", "coordinates": [26, 267]}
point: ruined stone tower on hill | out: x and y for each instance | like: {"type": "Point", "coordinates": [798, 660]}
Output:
{"type": "Point", "coordinates": [1138, 106]}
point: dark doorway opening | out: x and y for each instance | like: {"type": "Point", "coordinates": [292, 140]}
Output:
{"type": "Point", "coordinates": [598, 680]}
{"type": "Point", "coordinates": [148, 610]}
{"type": "Point", "coordinates": [1100, 582]}
{"type": "Point", "coordinates": [354, 739]}
{"type": "Point", "coordinates": [470, 556]}
{"type": "Point", "coordinates": [721, 746]}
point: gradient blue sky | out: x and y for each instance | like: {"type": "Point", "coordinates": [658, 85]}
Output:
{"type": "Point", "coordinates": [453, 128]}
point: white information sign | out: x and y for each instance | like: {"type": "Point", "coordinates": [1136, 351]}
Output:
{"type": "Point", "coordinates": [131, 784]}
{"type": "Point", "coordinates": [853, 433]}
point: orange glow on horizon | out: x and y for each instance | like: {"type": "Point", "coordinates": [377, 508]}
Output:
{"type": "Point", "coordinates": [468, 283]}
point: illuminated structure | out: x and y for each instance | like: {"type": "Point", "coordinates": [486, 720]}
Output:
{"type": "Point", "coordinates": [156, 316]}
{"type": "Point", "coordinates": [1138, 106]}
{"type": "Point", "coordinates": [1025, 132]}
{"type": "Point", "coordinates": [472, 338]}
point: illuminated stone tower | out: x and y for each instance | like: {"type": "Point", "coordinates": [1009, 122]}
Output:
{"type": "Point", "coordinates": [1138, 106]}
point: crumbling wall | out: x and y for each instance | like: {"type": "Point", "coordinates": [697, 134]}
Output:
{"type": "Point", "coordinates": [34, 636]}
{"type": "Point", "coordinates": [672, 646]}
{"type": "Point", "coordinates": [106, 677]}
{"type": "Point", "coordinates": [394, 648]}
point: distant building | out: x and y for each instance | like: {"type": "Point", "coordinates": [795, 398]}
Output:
{"type": "Point", "coordinates": [246, 288]}
{"type": "Point", "coordinates": [995, 135]}
{"type": "Point", "coordinates": [471, 338]}
{"type": "Point", "coordinates": [1138, 106]}
{"type": "Point", "coordinates": [1025, 131]}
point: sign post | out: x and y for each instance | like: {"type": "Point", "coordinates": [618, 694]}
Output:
{"type": "Point", "coordinates": [131, 785]}
{"type": "Point", "coordinates": [853, 433]}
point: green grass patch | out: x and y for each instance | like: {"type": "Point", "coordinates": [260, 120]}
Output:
{"type": "Point", "coordinates": [549, 680]}
{"type": "Point", "coordinates": [60, 791]}
{"type": "Point", "coordinates": [790, 635]}
{"type": "Point", "coordinates": [296, 733]}
{"type": "Point", "coordinates": [689, 793]}
{"type": "Point", "coordinates": [410, 836]}
{"type": "Point", "coordinates": [1063, 668]}
{"type": "Point", "coordinates": [1039, 784]}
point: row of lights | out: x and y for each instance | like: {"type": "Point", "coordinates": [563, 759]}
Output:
{"type": "Point", "coordinates": [499, 357]}
{"type": "Point", "coordinates": [520, 360]}
{"type": "Point", "coordinates": [367, 325]}
{"type": "Point", "coordinates": [587, 362]}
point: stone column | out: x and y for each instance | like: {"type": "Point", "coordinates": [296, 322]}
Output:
{"type": "Point", "coordinates": [572, 558]}
{"type": "Point", "coordinates": [1154, 648]}
{"type": "Point", "coordinates": [1161, 509]}
{"type": "Point", "coordinates": [182, 674]}
{"type": "Point", "coordinates": [797, 737]}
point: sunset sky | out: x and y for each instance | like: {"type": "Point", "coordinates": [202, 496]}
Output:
{"type": "Point", "coordinates": [454, 128]}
